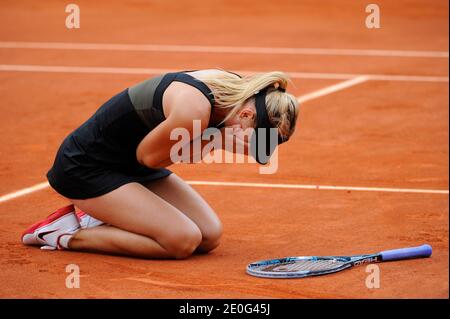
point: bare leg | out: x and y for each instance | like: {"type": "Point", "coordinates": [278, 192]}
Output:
{"type": "Point", "coordinates": [115, 241]}
{"type": "Point", "coordinates": [182, 196]}
{"type": "Point", "coordinates": [139, 217]}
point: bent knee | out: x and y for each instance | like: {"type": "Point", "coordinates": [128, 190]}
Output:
{"type": "Point", "coordinates": [211, 237]}
{"type": "Point", "coordinates": [207, 246]}
{"type": "Point", "coordinates": [183, 244]}
{"type": "Point", "coordinates": [213, 232]}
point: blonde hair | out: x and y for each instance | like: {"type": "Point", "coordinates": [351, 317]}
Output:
{"type": "Point", "coordinates": [231, 92]}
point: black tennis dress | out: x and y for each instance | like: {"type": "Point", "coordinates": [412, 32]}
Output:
{"type": "Point", "coordinates": [100, 155]}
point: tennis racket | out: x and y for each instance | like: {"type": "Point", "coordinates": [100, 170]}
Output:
{"type": "Point", "coordinates": [298, 267]}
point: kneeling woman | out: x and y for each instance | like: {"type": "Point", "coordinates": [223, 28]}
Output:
{"type": "Point", "coordinates": [113, 166]}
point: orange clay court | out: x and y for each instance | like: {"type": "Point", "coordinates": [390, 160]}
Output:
{"type": "Point", "coordinates": [373, 122]}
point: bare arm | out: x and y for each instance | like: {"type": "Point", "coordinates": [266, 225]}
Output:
{"type": "Point", "coordinates": [154, 150]}
{"type": "Point", "coordinates": [193, 156]}
{"type": "Point", "coordinates": [234, 137]}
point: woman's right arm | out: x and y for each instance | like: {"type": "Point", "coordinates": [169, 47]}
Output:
{"type": "Point", "coordinates": [154, 150]}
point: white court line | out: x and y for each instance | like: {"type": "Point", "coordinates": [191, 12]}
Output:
{"type": "Point", "coordinates": [148, 71]}
{"type": "Point", "coordinates": [44, 185]}
{"type": "Point", "coordinates": [303, 98]}
{"type": "Point", "coordinates": [322, 187]}
{"type": "Point", "coordinates": [375, 77]}
{"type": "Point", "coordinates": [333, 88]}
{"type": "Point", "coordinates": [221, 49]}
{"type": "Point", "coordinates": [24, 192]}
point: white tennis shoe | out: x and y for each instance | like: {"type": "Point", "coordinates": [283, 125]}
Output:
{"type": "Point", "coordinates": [47, 233]}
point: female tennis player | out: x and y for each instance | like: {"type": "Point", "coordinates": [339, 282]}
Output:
{"type": "Point", "coordinates": [113, 167]}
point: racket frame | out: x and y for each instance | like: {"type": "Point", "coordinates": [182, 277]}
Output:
{"type": "Point", "coordinates": [348, 262]}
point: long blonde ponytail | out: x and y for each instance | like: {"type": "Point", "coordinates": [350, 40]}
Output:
{"type": "Point", "coordinates": [231, 92]}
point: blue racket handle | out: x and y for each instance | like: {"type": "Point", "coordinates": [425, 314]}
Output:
{"type": "Point", "coordinates": [406, 253]}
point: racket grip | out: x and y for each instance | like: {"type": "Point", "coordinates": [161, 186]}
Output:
{"type": "Point", "coordinates": [406, 253]}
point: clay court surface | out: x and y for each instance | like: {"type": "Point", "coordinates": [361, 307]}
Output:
{"type": "Point", "coordinates": [386, 133]}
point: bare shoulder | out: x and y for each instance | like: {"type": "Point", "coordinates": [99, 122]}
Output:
{"type": "Point", "coordinates": [182, 100]}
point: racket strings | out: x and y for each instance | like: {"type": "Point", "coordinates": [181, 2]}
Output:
{"type": "Point", "coordinates": [304, 265]}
